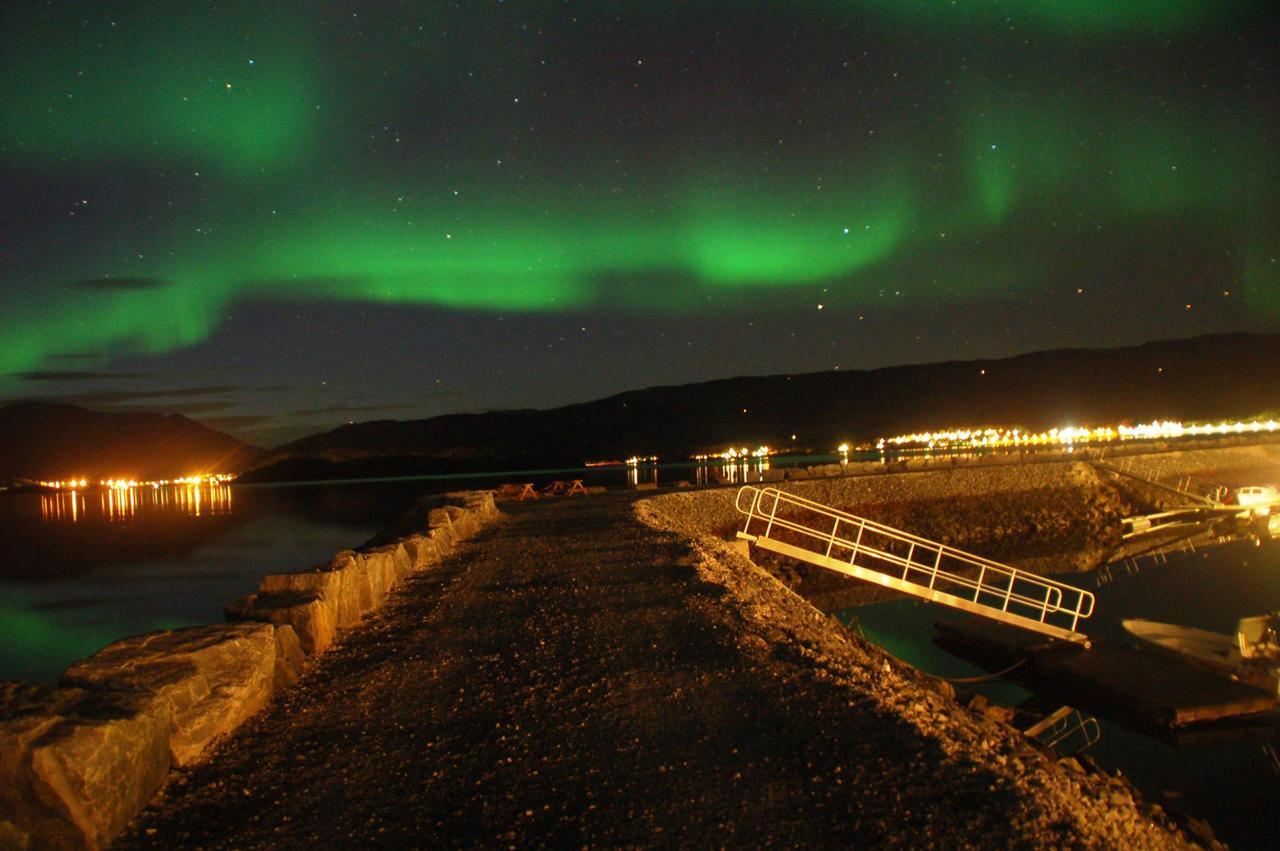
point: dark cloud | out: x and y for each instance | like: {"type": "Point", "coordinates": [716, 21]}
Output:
{"type": "Point", "coordinates": [102, 399]}
{"type": "Point", "coordinates": [186, 408]}
{"type": "Point", "coordinates": [125, 403]}
{"type": "Point", "coordinates": [246, 422]}
{"type": "Point", "coordinates": [78, 356]}
{"type": "Point", "coordinates": [116, 397]}
{"type": "Point", "coordinates": [119, 284]}
{"type": "Point", "coordinates": [348, 409]}
{"type": "Point", "coordinates": [74, 375]}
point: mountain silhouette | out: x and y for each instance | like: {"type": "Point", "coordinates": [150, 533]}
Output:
{"type": "Point", "coordinates": [1197, 379]}
{"type": "Point", "coordinates": [43, 440]}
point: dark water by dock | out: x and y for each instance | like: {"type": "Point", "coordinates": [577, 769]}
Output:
{"type": "Point", "coordinates": [1223, 774]}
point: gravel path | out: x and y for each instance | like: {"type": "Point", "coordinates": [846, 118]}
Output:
{"type": "Point", "coordinates": [575, 677]}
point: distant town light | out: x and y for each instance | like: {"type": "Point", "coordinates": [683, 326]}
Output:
{"type": "Point", "coordinates": [125, 483]}
{"type": "Point", "coordinates": [1067, 435]}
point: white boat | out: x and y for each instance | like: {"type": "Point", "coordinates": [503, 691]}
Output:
{"type": "Point", "coordinates": [1257, 498]}
{"type": "Point", "coordinates": [1252, 655]}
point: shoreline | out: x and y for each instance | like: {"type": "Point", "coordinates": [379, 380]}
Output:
{"type": "Point", "coordinates": [80, 759]}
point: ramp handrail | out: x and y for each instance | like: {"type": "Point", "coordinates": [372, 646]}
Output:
{"type": "Point", "coordinates": [1129, 470]}
{"type": "Point", "coordinates": [998, 590]}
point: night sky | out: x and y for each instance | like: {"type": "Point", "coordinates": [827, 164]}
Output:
{"type": "Point", "coordinates": [279, 218]}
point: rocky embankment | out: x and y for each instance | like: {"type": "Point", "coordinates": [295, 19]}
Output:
{"type": "Point", "coordinates": [1049, 802]}
{"type": "Point", "coordinates": [79, 760]}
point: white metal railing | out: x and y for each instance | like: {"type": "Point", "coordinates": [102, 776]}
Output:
{"type": "Point", "coordinates": [1183, 488]}
{"type": "Point", "coordinates": [813, 532]}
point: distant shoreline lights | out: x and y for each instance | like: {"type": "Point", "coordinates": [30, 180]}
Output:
{"type": "Point", "coordinates": [734, 453]}
{"type": "Point", "coordinates": [981, 438]}
{"type": "Point", "coordinates": [194, 480]}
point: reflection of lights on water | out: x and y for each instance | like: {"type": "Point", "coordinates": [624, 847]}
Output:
{"type": "Point", "coordinates": [637, 474]}
{"type": "Point", "coordinates": [739, 470]}
{"type": "Point", "coordinates": [62, 506]}
{"type": "Point", "coordinates": [116, 504]}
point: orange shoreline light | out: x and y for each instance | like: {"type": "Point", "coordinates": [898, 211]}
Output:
{"type": "Point", "coordinates": [1070, 435]}
{"type": "Point", "coordinates": [124, 483]}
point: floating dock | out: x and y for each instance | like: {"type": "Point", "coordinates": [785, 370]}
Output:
{"type": "Point", "coordinates": [1151, 688]}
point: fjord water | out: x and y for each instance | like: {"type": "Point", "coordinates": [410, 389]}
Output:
{"type": "Point", "coordinates": [78, 571]}
{"type": "Point", "coordinates": [1227, 776]}
{"type": "Point", "coordinates": [81, 569]}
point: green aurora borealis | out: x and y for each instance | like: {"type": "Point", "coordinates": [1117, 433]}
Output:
{"type": "Point", "coordinates": [667, 161]}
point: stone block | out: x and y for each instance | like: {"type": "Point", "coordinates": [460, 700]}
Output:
{"type": "Point", "coordinates": [325, 582]}
{"type": "Point", "coordinates": [77, 765]}
{"type": "Point", "coordinates": [348, 599]}
{"type": "Point", "coordinates": [440, 527]}
{"type": "Point", "coordinates": [421, 550]}
{"type": "Point", "coordinates": [466, 522]}
{"type": "Point", "coordinates": [479, 502]}
{"type": "Point", "coordinates": [309, 615]}
{"type": "Point", "coordinates": [290, 658]}
{"type": "Point", "coordinates": [368, 576]}
{"type": "Point", "coordinates": [402, 561]}
{"type": "Point", "coordinates": [210, 678]}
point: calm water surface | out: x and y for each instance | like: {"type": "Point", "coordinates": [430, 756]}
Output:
{"type": "Point", "coordinates": [79, 570]}
{"type": "Point", "coordinates": [1226, 777]}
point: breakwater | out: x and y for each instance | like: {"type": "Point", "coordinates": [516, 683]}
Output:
{"type": "Point", "coordinates": [79, 760]}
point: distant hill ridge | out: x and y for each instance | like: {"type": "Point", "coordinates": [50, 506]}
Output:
{"type": "Point", "coordinates": [44, 440]}
{"type": "Point", "coordinates": [1207, 377]}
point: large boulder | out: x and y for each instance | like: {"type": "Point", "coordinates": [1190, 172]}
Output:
{"type": "Point", "coordinates": [290, 658]}
{"type": "Point", "coordinates": [305, 613]}
{"type": "Point", "coordinates": [401, 560]}
{"type": "Point", "coordinates": [421, 550]}
{"type": "Point", "coordinates": [336, 582]}
{"type": "Point", "coordinates": [479, 502]}
{"type": "Point", "coordinates": [211, 679]}
{"type": "Point", "coordinates": [351, 599]}
{"type": "Point", "coordinates": [440, 527]}
{"type": "Point", "coordinates": [76, 765]}
{"type": "Point", "coordinates": [375, 573]}
{"type": "Point", "coordinates": [466, 522]}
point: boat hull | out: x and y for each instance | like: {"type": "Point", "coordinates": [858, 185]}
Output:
{"type": "Point", "coordinates": [1212, 650]}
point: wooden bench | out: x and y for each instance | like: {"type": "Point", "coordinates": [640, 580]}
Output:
{"type": "Point", "coordinates": [511, 490]}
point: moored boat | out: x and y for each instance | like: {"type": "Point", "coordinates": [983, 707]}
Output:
{"type": "Point", "coordinates": [1257, 498]}
{"type": "Point", "coordinates": [1252, 655]}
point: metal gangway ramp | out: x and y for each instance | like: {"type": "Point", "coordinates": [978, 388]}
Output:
{"type": "Point", "coordinates": [815, 533]}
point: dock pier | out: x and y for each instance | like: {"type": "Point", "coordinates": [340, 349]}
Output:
{"type": "Point", "coordinates": [1148, 689]}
